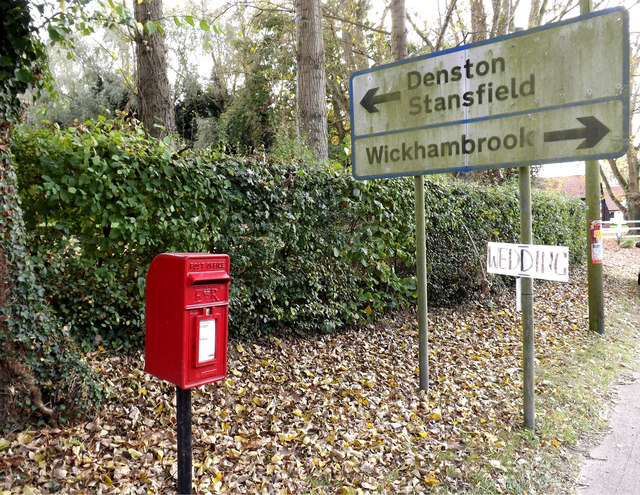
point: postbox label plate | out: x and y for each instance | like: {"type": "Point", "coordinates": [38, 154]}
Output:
{"type": "Point", "coordinates": [206, 340]}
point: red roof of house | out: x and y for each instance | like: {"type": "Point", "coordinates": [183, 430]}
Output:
{"type": "Point", "coordinates": [573, 185]}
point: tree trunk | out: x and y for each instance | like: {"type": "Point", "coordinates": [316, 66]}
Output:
{"type": "Point", "coordinates": [398, 30]}
{"type": "Point", "coordinates": [613, 197]}
{"type": "Point", "coordinates": [155, 100]}
{"type": "Point", "coordinates": [479, 29]}
{"type": "Point", "coordinates": [633, 152]}
{"type": "Point", "coordinates": [311, 81]}
{"type": "Point", "coordinates": [633, 189]}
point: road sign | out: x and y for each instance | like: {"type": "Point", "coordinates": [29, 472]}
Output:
{"type": "Point", "coordinates": [528, 260]}
{"type": "Point", "coordinates": [551, 94]}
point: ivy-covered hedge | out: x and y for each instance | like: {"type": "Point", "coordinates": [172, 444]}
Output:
{"type": "Point", "coordinates": [42, 373]}
{"type": "Point", "coordinates": [311, 249]}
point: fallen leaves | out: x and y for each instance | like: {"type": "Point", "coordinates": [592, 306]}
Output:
{"type": "Point", "coordinates": [338, 414]}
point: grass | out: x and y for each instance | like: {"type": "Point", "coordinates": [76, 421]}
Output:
{"type": "Point", "coordinates": [573, 385]}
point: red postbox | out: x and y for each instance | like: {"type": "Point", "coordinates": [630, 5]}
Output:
{"type": "Point", "coordinates": [186, 318]}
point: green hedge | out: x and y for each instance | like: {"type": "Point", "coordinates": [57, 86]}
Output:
{"type": "Point", "coordinates": [311, 249]}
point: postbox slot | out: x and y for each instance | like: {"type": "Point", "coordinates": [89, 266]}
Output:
{"type": "Point", "coordinates": [203, 278]}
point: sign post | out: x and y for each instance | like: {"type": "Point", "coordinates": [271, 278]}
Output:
{"type": "Point", "coordinates": [526, 295]}
{"type": "Point", "coordinates": [552, 94]}
{"type": "Point", "coordinates": [183, 431]}
{"type": "Point", "coordinates": [421, 273]}
{"type": "Point", "coordinates": [594, 218]}
{"type": "Point", "coordinates": [527, 262]}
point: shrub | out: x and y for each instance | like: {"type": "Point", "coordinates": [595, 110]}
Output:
{"type": "Point", "coordinates": [311, 249]}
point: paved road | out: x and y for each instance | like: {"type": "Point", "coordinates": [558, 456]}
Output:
{"type": "Point", "coordinates": [613, 466]}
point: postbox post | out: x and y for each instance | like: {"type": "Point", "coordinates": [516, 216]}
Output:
{"type": "Point", "coordinates": [186, 320]}
{"type": "Point", "coordinates": [183, 414]}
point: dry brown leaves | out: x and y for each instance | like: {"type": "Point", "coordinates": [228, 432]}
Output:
{"type": "Point", "coordinates": [338, 414]}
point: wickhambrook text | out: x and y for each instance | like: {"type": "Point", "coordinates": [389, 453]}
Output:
{"type": "Point", "coordinates": [378, 155]}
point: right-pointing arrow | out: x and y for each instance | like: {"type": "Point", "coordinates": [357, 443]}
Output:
{"type": "Point", "coordinates": [592, 132]}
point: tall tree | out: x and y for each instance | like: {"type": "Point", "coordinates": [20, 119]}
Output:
{"type": "Point", "coordinates": [346, 50]}
{"type": "Point", "coordinates": [311, 79]}
{"type": "Point", "coordinates": [155, 99]}
{"type": "Point", "coordinates": [398, 30]}
{"type": "Point", "coordinates": [627, 169]}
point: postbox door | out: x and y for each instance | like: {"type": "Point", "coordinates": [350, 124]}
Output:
{"type": "Point", "coordinates": [208, 356]}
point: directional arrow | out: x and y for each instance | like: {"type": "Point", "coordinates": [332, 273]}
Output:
{"type": "Point", "coordinates": [592, 132]}
{"type": "Point", "coordinates": [370, 100]}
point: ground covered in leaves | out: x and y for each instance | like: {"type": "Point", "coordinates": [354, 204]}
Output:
{"type": "Point", "coordinates": [343, 413]}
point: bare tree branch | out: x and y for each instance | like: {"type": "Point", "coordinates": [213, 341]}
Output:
{"type": "Point", "coordinates": [616, 172]}
{"type": "Point", "coordinates": [618, 203]}
{"type": "Point", "coordinates": [445, 24]}
{"type": "Point", "coordinates": [421, 34]}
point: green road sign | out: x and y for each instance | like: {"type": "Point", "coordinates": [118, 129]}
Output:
{"type": "Point", "coordinates": [551, 94]}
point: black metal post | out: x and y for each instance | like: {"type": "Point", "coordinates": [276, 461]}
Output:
{"type": "Point", "coordinates": [183, 413]}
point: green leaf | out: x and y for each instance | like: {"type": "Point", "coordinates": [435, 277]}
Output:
{"type": "Point", "coordinates": [150, 27]}
{"type": "Point", "coordinates": [189, 20]}
{"type": "Point", "coordinates": [203, 25]}
{"type": "Point", "coordinates": [23, 75]}
{"type": "Point", "coordinates": [56, 33]}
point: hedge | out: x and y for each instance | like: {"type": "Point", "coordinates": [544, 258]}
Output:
{"type": "Point", "coordinates": [312, 250]}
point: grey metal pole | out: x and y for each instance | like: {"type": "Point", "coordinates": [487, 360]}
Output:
{"type": "Point", "coordinates": [592, 195]}
{"type": "Point", "coordinates": [399, 49]}
{"type": "Point", "coordinates": [421, 273]}
{"type": "Point", "coordinates": [524, 175]}
{"type": "Point", "coordinates": [594, 270]}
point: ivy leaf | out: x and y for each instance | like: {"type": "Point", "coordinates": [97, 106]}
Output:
{"type": "Point", "coordinates": [23, 75]}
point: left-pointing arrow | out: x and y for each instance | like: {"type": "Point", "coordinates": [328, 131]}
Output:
{"type": "Point", "coordinates": [370, 100]}
{"type": "Point", "coordinates": [592, 132]}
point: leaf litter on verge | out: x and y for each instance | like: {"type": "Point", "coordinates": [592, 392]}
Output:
{"type": "Point", "coordinates": [340, 413]}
